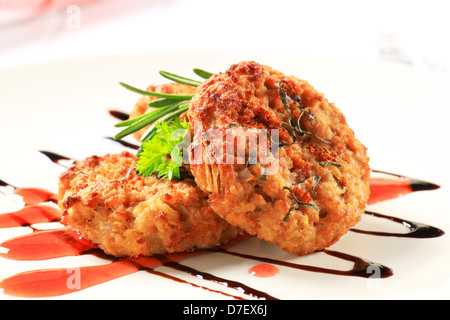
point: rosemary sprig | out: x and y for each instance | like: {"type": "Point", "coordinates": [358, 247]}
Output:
{"type": "Point", "coordinates": [161, 103]}
{"type": "Point", "coordinates": [143, 121]}
{"type": "Point", "coordinates": [202, 73]}
{"type": "Point", "coordinates": [168, 104]}
{"type": "Point", "coordinates": [157, 94]}
{"type": "Point", "coordinates": [179, 79]}
{"type": "Point", "coordinates": [157, 141]}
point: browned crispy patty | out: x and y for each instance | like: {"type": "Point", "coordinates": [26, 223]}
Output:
{"type": "Point", "coordinates": [128, 215]}
{"type": "Point", "coordinates": [142, 107]}
{"type": "Point", "coordinates": [318, 182]}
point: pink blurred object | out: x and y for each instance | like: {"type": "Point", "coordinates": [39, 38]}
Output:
{"type": "Point", "coordinates": [41, 5]}
{"type": "Point", "coordinates": [37, 22]}
{"type": "Point", "coordinates": [15, 12]}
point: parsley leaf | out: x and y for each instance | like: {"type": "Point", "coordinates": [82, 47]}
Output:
{"type": "Point", "coordinates": [162, 153]}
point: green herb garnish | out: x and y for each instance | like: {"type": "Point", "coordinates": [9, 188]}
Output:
{"type": "Point", "coordinates": [162, 153]}
{"type": "Point", "coordinates": [160, 150]}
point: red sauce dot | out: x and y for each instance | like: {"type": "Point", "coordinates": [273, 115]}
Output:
{"type": "Point", "coordinates": [263, 270]}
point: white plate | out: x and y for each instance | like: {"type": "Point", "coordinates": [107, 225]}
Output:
{"type": "Point", "coordinates": [397, 112]}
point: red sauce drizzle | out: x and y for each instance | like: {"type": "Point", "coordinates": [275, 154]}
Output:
{"type": "Point", "coordinates": [34, 195]}
{"type": "Point", "coordinates": [55, 282]}
{"type": "Point", "coordinates": [29, 215]}
{"type": "Point", "coordinates": [389, 186]}
{"type": "Point", "coordinates": [47, 244]}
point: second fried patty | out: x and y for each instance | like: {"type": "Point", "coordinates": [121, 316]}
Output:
{"type": "Point", "coordinates": [128, 215]}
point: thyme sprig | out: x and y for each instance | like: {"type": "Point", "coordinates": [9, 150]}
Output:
{"type": "Point", "coordinates": [297, 204]}
{"type": "Point", "coordinates": [292, 127]}
{"type": "Point", "coordinates": [329, 163]}
{"type": "Point", "coordinates": [315, 183]}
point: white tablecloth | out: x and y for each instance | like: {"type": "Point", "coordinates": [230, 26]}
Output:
{"type": "Point", "coordinates": [413, 32]}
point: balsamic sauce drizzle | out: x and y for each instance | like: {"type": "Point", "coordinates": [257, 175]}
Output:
{"type": "Point", "coordinates": [122, 116]}
{"type": "Point", "coordinates": [361, 267]}
{"type": "Point", "coordinates": [54, 157]}
{"type": "Point", "coordinates": [416, 229]}
{"type": "Point", "coordinates": [6, 184]}
{"type": "Point", "coordinates": [124, 143]}
{"type": "Point", "coordinates": [170, 277]}
{"type": "Point", "coordinates": [207, 276]}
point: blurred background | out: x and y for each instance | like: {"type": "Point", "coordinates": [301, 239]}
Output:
{"type": "Point", "coordinates": [416, 33]}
